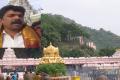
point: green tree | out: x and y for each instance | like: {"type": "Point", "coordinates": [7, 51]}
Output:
{"type": "Point", "coordinates": [106, 51]}
{"type": "Point", "coordinates": [77, 52]}
{"type": "Point", "coordinates": [55, 69]}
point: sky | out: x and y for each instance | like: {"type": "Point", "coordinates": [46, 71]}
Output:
{"type": "Point", "coordinates": [92, 13]}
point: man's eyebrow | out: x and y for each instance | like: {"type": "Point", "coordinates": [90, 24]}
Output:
{"type": "Point", "coordinates": [20, 14]}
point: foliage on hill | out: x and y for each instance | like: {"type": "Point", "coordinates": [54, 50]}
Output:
{"type": "Point", "coordinates": [64, 32]}
{"type": "Point", "coordinates": [58, 29]}
{"type": "Point", "coordinates": [78, 52]}
{"type": "Point", "coordinates": [106, 52]}
{"type": "Point", "coordinates": [102, 38]}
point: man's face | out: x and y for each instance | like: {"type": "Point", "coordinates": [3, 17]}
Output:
{"type": "Point", "coordinates": [13, 20]}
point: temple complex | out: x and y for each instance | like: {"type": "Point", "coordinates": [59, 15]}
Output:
{"type": "Point", "coordinates": [51, 56]}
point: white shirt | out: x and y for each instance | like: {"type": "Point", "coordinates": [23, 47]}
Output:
{"type": "Point", "coordinates": [16, 42]}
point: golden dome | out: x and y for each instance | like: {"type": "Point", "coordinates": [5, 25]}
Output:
{"type": "Point", "coordinates": [51, 55]}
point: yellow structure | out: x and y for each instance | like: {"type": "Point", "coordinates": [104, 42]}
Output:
{"type": "Point", "coordinates": [51, 55]}
{"type": "Point", "coordinates": [75, 78]}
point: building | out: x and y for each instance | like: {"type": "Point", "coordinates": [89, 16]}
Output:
{"type": "Point", "coordinates": [11, 62]}
{"type": "Point", "coordinates": [9, 59]}
{"type": "Point", "coordinates": [91, 45]}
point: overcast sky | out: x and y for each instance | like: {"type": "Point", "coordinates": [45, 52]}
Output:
{"type": "Point", "coordinates": [92, 13]}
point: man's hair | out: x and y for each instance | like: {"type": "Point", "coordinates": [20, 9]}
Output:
{"type": "Point", "coordinates": [4, 9]}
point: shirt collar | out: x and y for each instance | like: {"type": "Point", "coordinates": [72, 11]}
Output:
{"type": "Point", "coordinates": [4, 33]}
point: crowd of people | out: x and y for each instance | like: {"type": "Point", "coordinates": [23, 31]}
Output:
{"type": "Point", "coordinates": [9, 76]}
{"type": "Point", "coordinates": [26, 76]}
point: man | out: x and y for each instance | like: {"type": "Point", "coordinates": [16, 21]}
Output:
{"type": "Point", "coordinates": [14, 33]}
{"type": "Point", "coordinates": [14, 76]}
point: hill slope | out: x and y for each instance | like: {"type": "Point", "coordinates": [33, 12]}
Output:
{"type": "Point", "coordinates": [101, 38]}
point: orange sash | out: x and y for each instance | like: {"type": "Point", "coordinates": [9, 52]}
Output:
{"type": "Point", "coordinates": [31, 40]}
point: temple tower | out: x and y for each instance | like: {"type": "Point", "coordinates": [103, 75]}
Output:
{"type": "Point", "coordinates": [9, 54]}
